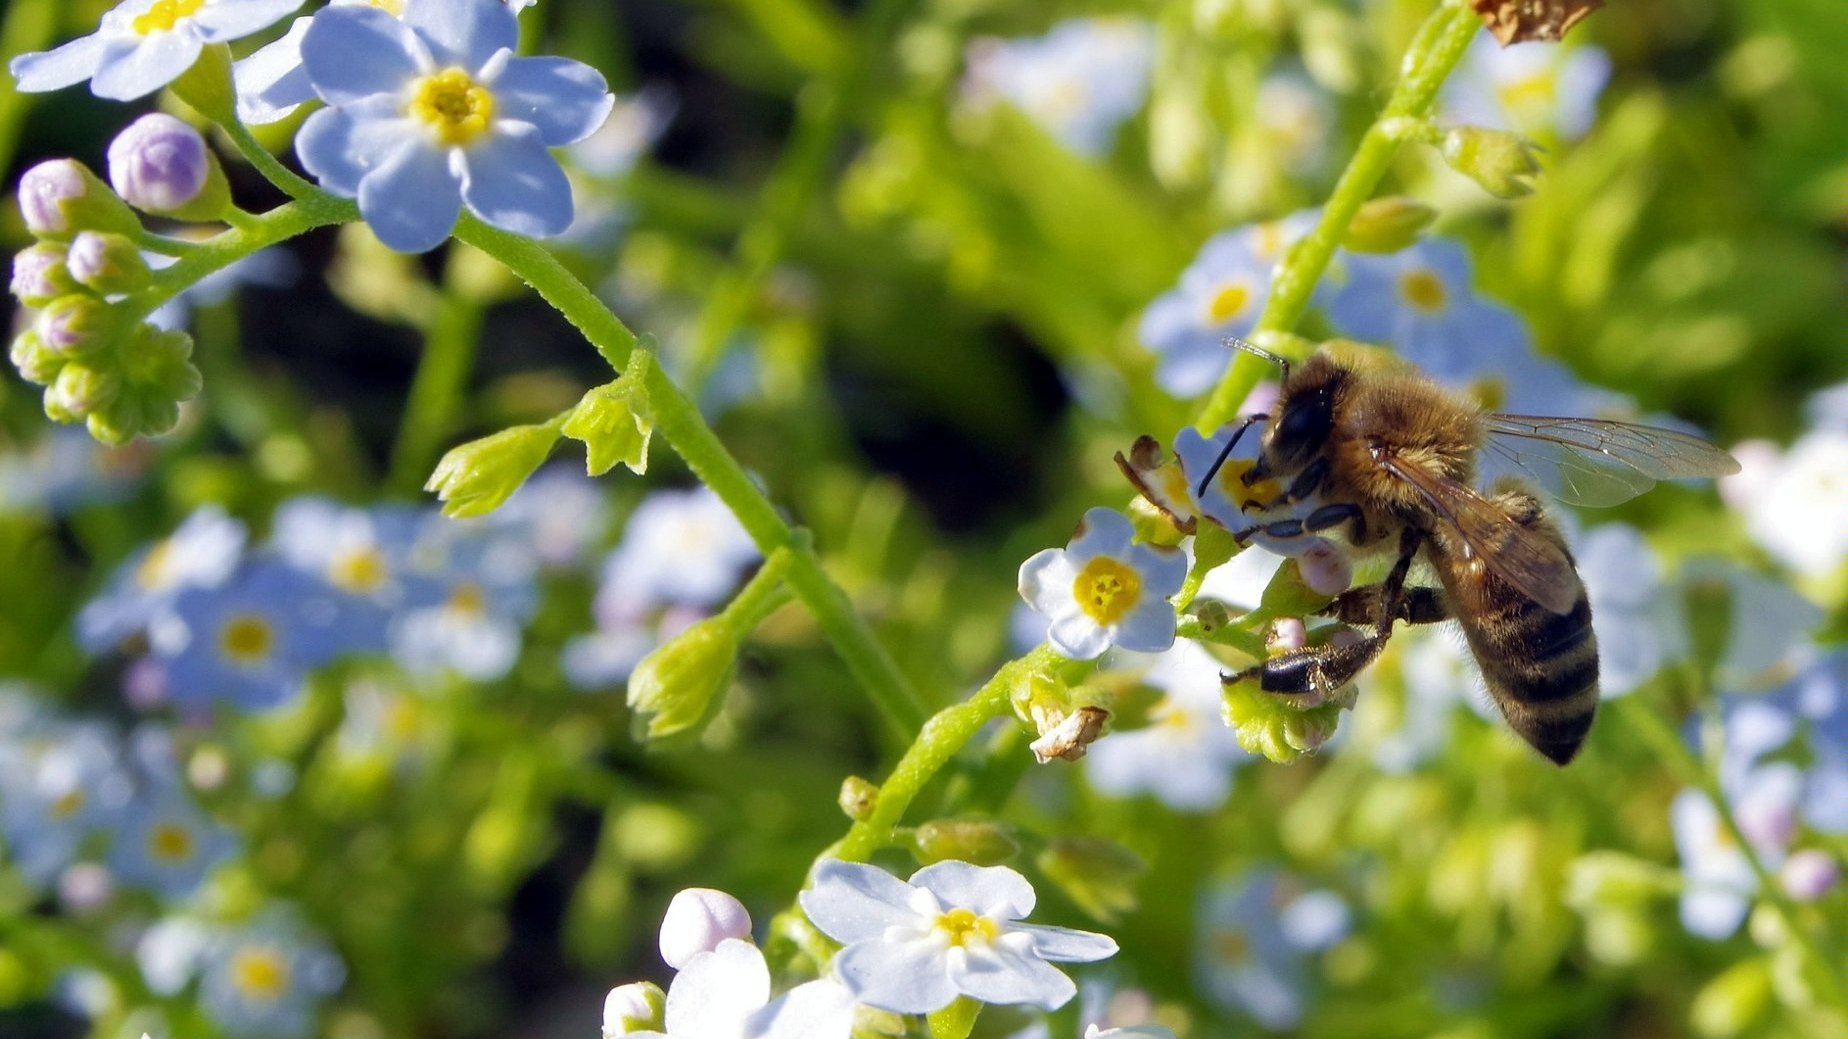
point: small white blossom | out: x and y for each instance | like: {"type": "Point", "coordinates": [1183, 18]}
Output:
{"type": "Point", "coordinates": [697, 920]}
{"type": "Point", "coordinates": [1186, 755]}
{"type": "Point", "coordinates": [1102, 589]}
{"type": "Point", "coordinates": [914, 946]}
{"type": "Point", "coordinates": [1795, 501]}
{"type": "Point", "coordinates": [725, 994]}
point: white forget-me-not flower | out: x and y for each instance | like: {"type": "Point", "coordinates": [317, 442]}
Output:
{"type": "Point", "coordinates": [434, 111]}
{"type": "Point", "coordinates": [724, 993]}
{"type": "Point", "coordinates": [914, 946]}
{"type": "Point", "coordinates": [1103, 589]}
{"type": "Point", "coordinates": [142, 45]}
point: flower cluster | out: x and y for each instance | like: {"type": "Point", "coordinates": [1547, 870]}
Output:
{"type": "Point", "coordinates": [263, 976]}
{"type": "Point", "coordinates": [1079, 82]}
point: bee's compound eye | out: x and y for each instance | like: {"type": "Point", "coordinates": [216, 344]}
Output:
{"type": "Point", "coordinates": [1304, 424]}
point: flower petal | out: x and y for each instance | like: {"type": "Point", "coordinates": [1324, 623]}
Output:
{"type": "Point", "coordinates": [852, 901]}
{"type": "Point", "coordinates": [816, 1010]}
{"type": "Point", "coordinates": [220, 22]}
{"type": "Point", "coordinates": [567, 100]}
{"type": "Point", "coordinates": [412, 200]}
{"type": "Point", "coordinates": [340, 146]}
{"type": "Point", "coordinates": [1066, 945]}
{"type": "Point", "coordinates": [998, 973]}
{"type": "Point", "coordinates": [1046, 581]}
{"type": "Point", "coordinates": [989, 890]}
{"type": "Point", "coordinates": [463, 32]}
{"type": "Point", "coordinates": [271, 81]}
{"type": "Point", "coordinates": [144, 66]}
{"type": "Point", "coordinates": [1149, 628]}
{"type": "Point", "coordinates": [512, 182]}
{"type": "Point", "coordinates": [715, 990]}
{"type": "Point", "coordinates": [1078, 637]}
{"type": "Point", "coordinates": [355, 52]}
{"type": "Point", "coordinates": [1163, 569]}
{"type": "Point", "coordinates": [54, 69]}
{"type": "Point", "coordinates": [903, 977]}
{"type": "Point", "coordinates": [1104, 532]}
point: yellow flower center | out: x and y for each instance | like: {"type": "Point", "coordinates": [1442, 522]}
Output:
{"type": "Point", "coordinates": [1231, 947]}
{"type": "Point", "coordinates": [1106, 589]}
{"type": "Point", "coordinates": [1228, 303]}
{"type": "Point", "coordinates": [963, 925]}
{"type": "Point", "coordinates": [456, 108]}
{"type": "Point", "coordinates": [359, 572]}
{"type": "Point", "coordinates": [67, 804]}
{"type": "Point", "coordinates": [164, 15]}
{"type": "Point", "coordinates": [260, 973]}
{"type": "Point", "coordinates": [1490, 393]}
{"type": "Point", "coordinates": [170, 842]}
{"type": "Point", "coordinates": [246, 639]}
{"type": "Point", "coordinates": [1270, 240]}
{"type": "Point", "coordinates": [1423, 289]}
{"type": "Point", "coordinates": [1232, 482]}
{"type": "Point", "coordinates": [468, 598]}
{"type": "Point", "coordinates": [152, 573]}
{"type": "Point", "coordinates": [395, 8]}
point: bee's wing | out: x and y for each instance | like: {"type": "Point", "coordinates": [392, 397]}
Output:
{"type": "Point", "coordinates": [1528, 560]}
{"type": "Point", "coordinates": [1586, 461]}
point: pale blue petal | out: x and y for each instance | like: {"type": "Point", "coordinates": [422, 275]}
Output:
{"type": "Point", "coordinates": [1163, 568]}
{"type": "Point", "coordinates": [1077, 637]}
{"type": "Point", "coordinates": [852, 901]}
{"type": "Point", "coordinates": [1149, 628]}
{"type": "Point", "coordinates": [151, 63]}
{"type": "Point", "coordinates": [464, 32]}
{"type": "Point", "coordinates": [411, 201]}
{"type": "Point", "coordinates": [989, 890]}
{"type": "Point", "coordinates": [512, 182]}
{"type": "Point", "coordinates": [567, 100]}
{"type": "Point", "coordinates": [903, 977]}
{"type": "Point", "coordinates": [74, 62]}
{"type": "Point", "coordinates": [1713, 913]}
{"type": "Point", "coordinates": [1046, 583]}
{"type": "Point", "coordinates": [355, 52]}
{"type": "Point", "coordinates": [1065, 945]}
{"type": "Point", "coordinates": [271, 81]}
{"type": "Point", "coordinates": [1103, 532]}
{"type": "Point", "coordinates": [340, 146]}
{"type": "Point", "coordinates": [1168, 321]}
{"type": "Point", "coordinates": [221, 22]}
{"type": "Point", "coordinates": [999, 974]}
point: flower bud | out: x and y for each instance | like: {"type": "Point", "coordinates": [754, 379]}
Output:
{"type": "Point", "coordinates": [1325, 569]}
{"type": "Point", "coordinates": [61, 197]}
{"type": "Point", "coordinates": [858, 795]}
{"type": "Point", "coordinates": [37, 363]}
{"type": "Point", "coordinates": [983, 842]}
{"type": "Point", "coordinates": [1611, 878]}
{"type": "Point", "coordinates": [1387, 225]}
{"type": "Point", "coordinates": [615, 422]}
{"type": "Point", "coordinates": [1503, 163]}
{"type": "Point", "coordinates": [473, 479]}
{"type": "Point", "coordinates": [160, 164]}
{"type": "Point", "coordinates": [697, 920]}
{"type": "Point", "coordinates": [675, 688]}
{"type": "Point", "coordinates": [1733, 1001]}
{"type": "Point", "coordinates": [639, 1006]}
{"type": "Point", "coordinates": [1300, 586]}
{"type": "Point", "coordinates": [40, 274]}
{"type": "Point", "coordinates": [108, 263]}
{"type": "Point", "coordinates": [1810, 874]}
{"type": "Point", "coordinates": [1272, 726]}
{"type": "Point", "coordinates": [1100, 876]}
{"type": "Point", "coordinates": [79, 390]}
{"type": "Point", "coordinates": [76, 325]}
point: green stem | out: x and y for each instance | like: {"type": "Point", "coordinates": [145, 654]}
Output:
{"type": "Point", "coordinates": [285, 179]}
{"type": "Point", "coordinates": [940, 739]}
{"type": "Point", "coordinates": [679, 421]}
{"type": "Point", "coordinates": [1440, 43]}
{"type": "Point", "coordinates": [442, 373]}
{"type": "Point", "coordinates": [280, 224]}
{"type": "Point", "coordinates": [1679, 758]}
{"type": "Point", "coordinates": [761, 596]}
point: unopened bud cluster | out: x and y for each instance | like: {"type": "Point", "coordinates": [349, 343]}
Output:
{"type": "Point", "coordinates": [84, 280]}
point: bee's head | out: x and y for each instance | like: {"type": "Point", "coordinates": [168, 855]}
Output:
{"type": "Point", "coordinates": [1304, 419]}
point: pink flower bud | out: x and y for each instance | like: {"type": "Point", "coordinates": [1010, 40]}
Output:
{"type": "Point", "coordinates": [1325, 568]}
{"type": "Point", "coordinates": [1287, 635]}
{"type": "Point", "coordinates": [159, 164]}
{"type": "Point", "coordinates": [107, 263]}
{"type": "Point", "coordinates": [697, 920]}
{"type": "Point", "coordinates": [43, 191]}
{"type": "Point", "coordinates": [40, 274]}
{"type": "Point", "coordinates": [1810, 874]}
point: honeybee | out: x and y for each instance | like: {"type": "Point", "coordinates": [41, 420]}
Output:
{"type": "Point", "coordinates": [1361, 441]}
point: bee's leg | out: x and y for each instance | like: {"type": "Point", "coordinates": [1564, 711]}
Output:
{"type": "Point", "coordinates": [1312, 674]}
{"type": "Point", "coordinates": [1226, 452]}
{"type": "Point", "coordinates": [1329, 517]}
{"type": "Point", "coordinates": [1307, 482]}
{"type": "Point", "coordinates": [1417, 605]}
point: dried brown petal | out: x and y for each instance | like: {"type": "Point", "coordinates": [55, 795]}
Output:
{"type": "Point", "coordinates": [1518, 21]}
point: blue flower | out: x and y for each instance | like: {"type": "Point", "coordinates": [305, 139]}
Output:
{"type": "Point", "coordinates": [201, 553]}
{"type": "Point", "coordinates": [364, 558]}
{"type": "Point", "coordinates": [1805, 719]}
{"type": "Point", "coordinates": [267, 979]}
{"type": "Point", "coordinates": [1079, 82]}
{"type": "Point", "coordinates": [60, 782]}
{"type": "Point", "coordinates": [1419, 301]}
{"type": "Point", "coordinates": [679, 548]}
{"type": "Point", "coordinates": [166, 844]}
{"type": "Point", "coordinates": [486, 574]}
{"type": "Point", "coordinates": [435, 111]}
{"type": "Point", "coordinates": [1219, 295]}
{"type": "Point", "coordinates": [249, 642]}
{"type": "Point", "coordinates": [1185, 756]}
{"type": "Point", "coordinates": [142, 45]}
{"type": "Point", "coordinates": [1252, 946]}
{"type": "Point", "coordinates": [1639, 629]}
{"type": "Point", "coordinates": [1105, 589]}
{"type": "Point", "coordinates": [1533, 88]}
{"type": "Point", "coordinates": [65, 469]}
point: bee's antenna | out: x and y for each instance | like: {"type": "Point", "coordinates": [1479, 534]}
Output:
{"type": "Point", "coordinates": [1235, 343]}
